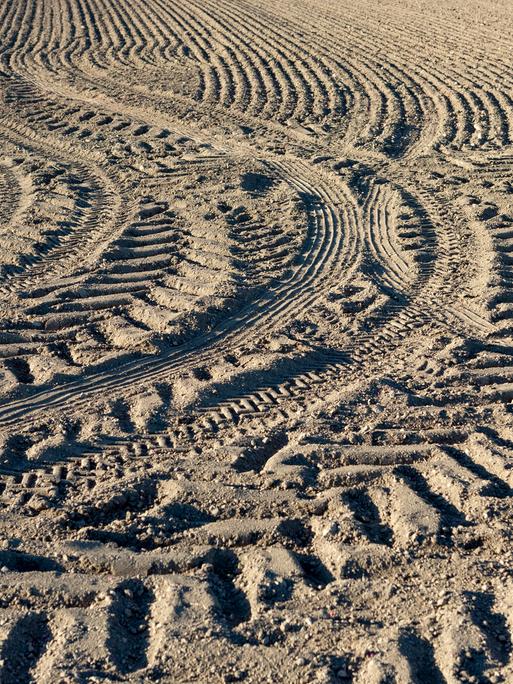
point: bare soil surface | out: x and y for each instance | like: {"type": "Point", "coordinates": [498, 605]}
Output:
{"type": "Point", "coordinates": [256, 341]}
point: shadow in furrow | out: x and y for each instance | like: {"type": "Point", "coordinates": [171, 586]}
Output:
{"type": "Point", "coordinates": [23, 648]}
{"type": "Point", "coordinates": [128, 630]}
{"type": "Point", "coordinates": [420, 656]}
{"type": "Point", "coordinates": [492, 624]}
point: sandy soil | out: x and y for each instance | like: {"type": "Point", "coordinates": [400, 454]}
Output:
{"type": "Point", "coordinates": [256, 341]}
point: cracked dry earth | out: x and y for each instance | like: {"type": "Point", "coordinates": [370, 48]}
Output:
{"type": "Point", "coordinates": [256, 341]}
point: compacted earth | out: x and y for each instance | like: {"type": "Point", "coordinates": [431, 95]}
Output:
{"type": "Point", "coordinates": [256, 341]}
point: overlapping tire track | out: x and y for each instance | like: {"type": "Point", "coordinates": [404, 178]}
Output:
{"type": "Point", "coordinates": [326, 247]}
{"type": "Point", "coordinates": [375, 446]}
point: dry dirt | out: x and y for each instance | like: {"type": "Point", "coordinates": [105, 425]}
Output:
{"type": "Point", "coordinates": [256, 341]}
